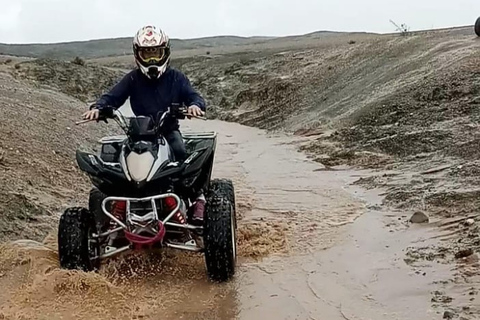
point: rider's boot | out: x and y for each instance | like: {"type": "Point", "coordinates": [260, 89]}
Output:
{"type": "Point", "coordinates": [198, 210]}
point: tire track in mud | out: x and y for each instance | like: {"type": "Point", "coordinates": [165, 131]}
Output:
{"type": "Point", "coordinates": [284, 208]}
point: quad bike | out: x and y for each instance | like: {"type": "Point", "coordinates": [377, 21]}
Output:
{"type": "Point", "coordinates": [142, 199]}
{"type": "Point", "coordinates": [477, 27]}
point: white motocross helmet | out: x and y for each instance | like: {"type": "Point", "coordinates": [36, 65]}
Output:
{"type": "Point", "coordinates": [151, 47]}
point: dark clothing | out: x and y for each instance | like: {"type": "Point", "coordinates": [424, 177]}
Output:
{"type": "Point", "coordinates": [149, 97]}
{"type": "Point", "coordinates": [175, 140]}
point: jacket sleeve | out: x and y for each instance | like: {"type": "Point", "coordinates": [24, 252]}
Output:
{"type": "Point", "coordinates": [188, 94]}
{"type": "Point", "coordinates": [117, 96]}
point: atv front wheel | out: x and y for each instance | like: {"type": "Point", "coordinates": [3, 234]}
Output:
{"type": "Point", "coordinates": [220, 231]}
{"type": "Point", "coordinates": [477, 27]}
{"type": "Point", "coordinates": [76, 246]}
{"type": "Point", "coordinates": [225, 188]}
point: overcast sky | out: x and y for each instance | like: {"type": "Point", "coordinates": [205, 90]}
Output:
{"type": "Point", "coordinates": [26, 21]}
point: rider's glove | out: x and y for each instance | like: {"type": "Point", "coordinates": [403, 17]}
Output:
{"type": "Point", "coordinates": [104, 112]}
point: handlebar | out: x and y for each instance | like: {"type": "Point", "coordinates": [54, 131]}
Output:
{"type": "Point", "coordinates": [90, 120]}
{"type": "Point", "coordinates": [184, 114]}
{"type": "Point", "coordinates": [175, 111]}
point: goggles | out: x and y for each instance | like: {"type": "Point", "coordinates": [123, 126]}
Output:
{"type": "Point", "coordinates": [153, 55]}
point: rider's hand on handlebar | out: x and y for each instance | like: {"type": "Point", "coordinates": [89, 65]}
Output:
{"type": "Point", "coordinates": [93, 114]}
{"type": "Point", "coordinates": [195, 111]}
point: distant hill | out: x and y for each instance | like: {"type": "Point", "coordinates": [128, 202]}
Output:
{"type": "Point", "coordinates": [113, 47]}
{"type": "Point", "coordinates": [123, 46]}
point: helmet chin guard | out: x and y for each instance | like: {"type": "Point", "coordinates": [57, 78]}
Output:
{"type": "Point", "coordinates": [153, 73]}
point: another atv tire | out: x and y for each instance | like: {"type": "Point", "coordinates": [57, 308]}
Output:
{"type": "Point", "coordinates": [75, 245]}
{"type": "Point", "coordinates": [220, 231]}
{"type": "Point", "coordinates": [477, 27]}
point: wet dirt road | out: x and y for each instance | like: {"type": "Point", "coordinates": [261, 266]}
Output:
{"type": "Point", "coordinates": [326, 254]}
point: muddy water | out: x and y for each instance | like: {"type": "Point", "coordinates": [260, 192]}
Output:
{"type": "Point", "coordinates": [327, 255]}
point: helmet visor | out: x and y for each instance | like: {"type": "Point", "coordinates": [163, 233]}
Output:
{"type": "Point", "coordinates": [153, 55]}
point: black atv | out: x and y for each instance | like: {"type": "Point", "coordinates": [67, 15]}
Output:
{"type": "Point", "coordinates": [142, 198]}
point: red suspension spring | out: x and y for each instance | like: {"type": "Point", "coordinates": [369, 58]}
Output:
{"type": "Point", "coordinates": [171, 203]}
{"type": "Point", "coordinates": [119, 208]}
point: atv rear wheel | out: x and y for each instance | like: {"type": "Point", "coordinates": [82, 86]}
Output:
{"type": "Point", "coordinates": [76, 246]}
{"type": "Point", "coordinates": [220, 231]}
{"type": "Point", "coordinates": [477, 27]}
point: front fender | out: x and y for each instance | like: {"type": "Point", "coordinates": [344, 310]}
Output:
{"type": "Point", "coordinates": [94, 166]}
{"type": "Point", "coordinates": [87, 162]}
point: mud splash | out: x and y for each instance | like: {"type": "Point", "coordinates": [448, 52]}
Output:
{"type": "Point", "coordinates": [171, 284]}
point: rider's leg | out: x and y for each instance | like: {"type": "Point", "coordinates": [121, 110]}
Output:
{"type": "Point", "coordinates": [175, 140]}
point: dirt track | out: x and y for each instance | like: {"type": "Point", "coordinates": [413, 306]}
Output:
{"type": "Point", "coordinates": [343, 257]}
{"type": "Point", "coordinates": [275, 183]}
{"type": "Point", "coordinates": [303, 213]}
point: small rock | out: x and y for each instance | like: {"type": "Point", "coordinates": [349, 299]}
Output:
{"type": "Point", "coordinates": [464, 253]}
{"type": "Point", "coordinates": [470, 222]}
{"type": "Point", "coordinates": [448, 315]}
{"type": "Point", "coordinates": [419, 217]}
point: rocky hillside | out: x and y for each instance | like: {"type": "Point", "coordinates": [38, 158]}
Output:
{"type": "Point", "coordinates": [37, 151]}
{"type": "Point", "coordinates": [78, 79]}
{"type": "Point", "coordinates": [303, 88]}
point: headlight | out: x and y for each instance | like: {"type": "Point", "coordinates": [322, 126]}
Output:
{"type": "Point", "coordinates": [139, 165]}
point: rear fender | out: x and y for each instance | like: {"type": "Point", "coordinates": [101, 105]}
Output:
{"type": "Point", "coordinates": [197, 161]}
{"type": "Point", "coordinates": [193, 144]}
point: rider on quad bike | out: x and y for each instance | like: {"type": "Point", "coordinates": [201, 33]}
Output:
{"type": "Point", "coordinates": [152, 88]}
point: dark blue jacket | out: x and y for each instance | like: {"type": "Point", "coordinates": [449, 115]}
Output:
{"type": "Point", "coordinates": [148, 97]}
